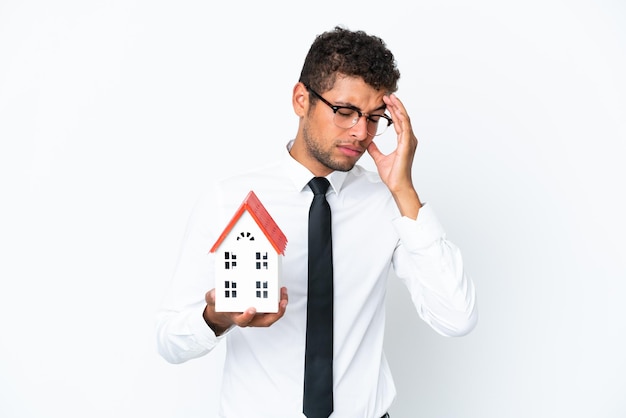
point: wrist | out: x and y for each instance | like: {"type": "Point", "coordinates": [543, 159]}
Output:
{"type": "Point", "coordinates": [215, 326]}
{"type": "Point", "coordinates": [408, 202]}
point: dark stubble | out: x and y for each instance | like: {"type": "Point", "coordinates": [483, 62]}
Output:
{"type": "Point", "coordinates": [323, 156]}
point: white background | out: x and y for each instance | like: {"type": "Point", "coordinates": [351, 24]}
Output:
{"type": "Point", "coordinates": [114, 114]}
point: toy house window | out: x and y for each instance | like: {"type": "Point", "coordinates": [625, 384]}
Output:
{"type": "Point", "coordinates": [230, 260]}
{"type": "Point", "coordinates": [230, 289]}
{"type": "Point", "coordinates": [261, 290]}
{"type": "Point", "coordinates": [261, 264]}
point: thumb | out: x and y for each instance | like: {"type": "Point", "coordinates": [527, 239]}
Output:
{"type": "Point", "coordinates": [373, 151]}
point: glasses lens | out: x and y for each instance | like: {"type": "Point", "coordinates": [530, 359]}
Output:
{"type": "Point", "coordinates": [377, 125]}
{"type": "Point", "coordinates": [346, 118]}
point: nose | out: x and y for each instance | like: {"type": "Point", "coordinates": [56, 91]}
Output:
{"type": "Point", "coordinates": [359, 130]}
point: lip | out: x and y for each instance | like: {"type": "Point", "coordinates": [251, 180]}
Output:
{"type": "Point", "coordinates": [350, 151]}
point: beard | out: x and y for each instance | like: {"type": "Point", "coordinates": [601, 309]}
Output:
{"type": "Point", "coordinates": [324, 156]}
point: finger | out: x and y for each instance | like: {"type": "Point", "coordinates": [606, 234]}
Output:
{"type": "Point", "coordinates": [399, 114]}
{"type": "Point", "coordinates": [244, 319]}
{"type": "Point", "coordinates": [209, 297]}
{"type": "Point", "coordinates": [374, 151]}
{"type": "Point", "coordinates": [267, 319]}
{"type": "Point", "coordinates": [395, 104]}
{"type": "Point", "coordinates": [402, 122]}
{"type": "Point", "coordinates": [284, 299]}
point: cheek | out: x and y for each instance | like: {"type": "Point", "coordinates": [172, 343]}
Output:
{"type": "Point", "coordinates": [320, 132]}
{"type": "Point", "coordinates": [321, 121]}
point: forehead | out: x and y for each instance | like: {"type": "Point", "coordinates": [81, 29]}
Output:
{"type": "Point", "coordinates": [353, 91]}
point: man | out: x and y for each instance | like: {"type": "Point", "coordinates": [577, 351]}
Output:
{"type": "Point", "coordinates": [344, 98]}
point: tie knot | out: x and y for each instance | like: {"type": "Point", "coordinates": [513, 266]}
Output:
{"type": "Point", "coordinates": [319, 185]}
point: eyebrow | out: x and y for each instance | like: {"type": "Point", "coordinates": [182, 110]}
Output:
{"type": "Point", "coordinates": [353, 107]}
{"type": "Point", "coordinates": [381, 107]}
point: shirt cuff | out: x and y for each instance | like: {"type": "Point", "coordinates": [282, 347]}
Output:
{"type": "Point", "coordinates": [419, 234]}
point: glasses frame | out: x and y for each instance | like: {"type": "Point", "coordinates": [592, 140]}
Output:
{"type": "Point", "coordinates": [368, 116]}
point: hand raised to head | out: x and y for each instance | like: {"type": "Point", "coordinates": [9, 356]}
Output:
{"type": "Point", "coordinates": [395, 168]}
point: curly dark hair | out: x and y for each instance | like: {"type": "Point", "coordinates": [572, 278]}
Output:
{"type": "Point", "coordinates": [350, 53]}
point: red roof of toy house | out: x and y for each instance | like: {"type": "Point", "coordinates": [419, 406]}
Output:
{"type": "Point", "coordinates": [262, 217]}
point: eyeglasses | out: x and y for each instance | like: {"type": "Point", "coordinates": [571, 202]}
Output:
{"type": "Point", "coordinates": [346, 117]}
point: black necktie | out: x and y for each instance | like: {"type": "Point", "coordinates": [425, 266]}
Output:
{"type": "Point", "coordinates": [318, 365]}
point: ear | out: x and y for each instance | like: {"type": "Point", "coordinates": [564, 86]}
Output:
{"type": "Point", "coordinates": [300, 99]}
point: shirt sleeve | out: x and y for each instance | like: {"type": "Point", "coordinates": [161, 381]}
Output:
{"type": "Point", "coordinates": [432, 269]}
{"type": "Point", "coordinates": [181, 332]}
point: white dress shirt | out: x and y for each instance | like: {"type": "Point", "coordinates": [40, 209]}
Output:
{"type": "Point", "coordinates": [264, 367]}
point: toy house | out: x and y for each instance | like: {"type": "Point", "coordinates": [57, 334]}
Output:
{"type": "Point", "coordinates": [248, 260]}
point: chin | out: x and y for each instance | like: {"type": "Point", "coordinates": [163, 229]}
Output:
{"type": "Point", "coordinates": [343, 167]}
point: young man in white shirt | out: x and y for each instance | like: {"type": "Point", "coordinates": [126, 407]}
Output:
{"type": "Point", "coordinates": [344, 99]}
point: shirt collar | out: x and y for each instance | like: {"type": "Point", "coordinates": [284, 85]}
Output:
{"type": "Point", "coordinates": [300, 175]}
